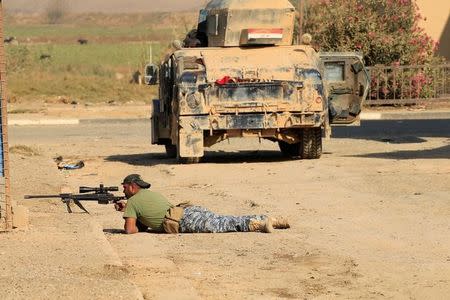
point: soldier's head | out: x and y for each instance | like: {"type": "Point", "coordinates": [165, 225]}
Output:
{"type": "Point", "coordinates": [132, 184]}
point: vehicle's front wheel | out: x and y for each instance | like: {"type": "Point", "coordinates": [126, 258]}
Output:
{"type": "Point", "coordinates": [311, 143]}
{"type": "Point", "coordinates": [171, 151]}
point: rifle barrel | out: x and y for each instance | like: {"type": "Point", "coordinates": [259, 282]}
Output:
{"type": "Point", "coordinates": [41, 196]}
{"type": "Point", "coordinates": [103, 198]}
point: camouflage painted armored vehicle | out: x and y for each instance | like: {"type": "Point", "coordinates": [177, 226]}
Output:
{"type": "Point", "coordinates": [238, 75]}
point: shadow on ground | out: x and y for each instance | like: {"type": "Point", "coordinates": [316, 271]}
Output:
{"type": "Point", "coordinates": [396, 131]}
{"type": "Point", "coordinates": [438, 153]}
{"type": "Point", "coordinates": [113, 231]}
{"type": "Point", "coordinates": [211, 157]}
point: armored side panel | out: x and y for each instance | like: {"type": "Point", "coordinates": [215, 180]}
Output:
{"type": "Point", "coordinates": [232, 23]}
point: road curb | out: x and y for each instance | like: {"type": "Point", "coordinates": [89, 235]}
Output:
{"type": "Point", "coordinates": [26, 122]}
{"type": "Point", "coordinates": [407, 115]}
{"type": "Point", "coordinates": [120, 121]}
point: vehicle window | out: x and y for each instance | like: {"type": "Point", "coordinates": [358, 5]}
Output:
{"type": "Point", "coordinates": [188, 77]}
{"type": "Point", "coordinates": [335, 71]}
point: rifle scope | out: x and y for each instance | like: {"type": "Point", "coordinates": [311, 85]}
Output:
{"type": "Point", "coordinates": [98, 190]}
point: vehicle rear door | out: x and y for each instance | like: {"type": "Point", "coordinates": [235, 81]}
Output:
{"type": "Point", "coordinates": [347, 85]}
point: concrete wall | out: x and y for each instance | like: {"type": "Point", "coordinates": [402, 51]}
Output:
{"type": "Point", "coordinates": [5, 200]}
{"type": "Point", "coordinates": [437, 23]}
{"type": "Point", "coordinates": [2, 179]}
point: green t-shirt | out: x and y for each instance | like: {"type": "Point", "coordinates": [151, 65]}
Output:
{"type": "Point", "coordinates": [148, 207]}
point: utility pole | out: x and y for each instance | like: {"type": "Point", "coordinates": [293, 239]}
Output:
{"type": "Point", "coordinates": [301, 11]}
{"type": "Point", "coordinates": [5, 199]}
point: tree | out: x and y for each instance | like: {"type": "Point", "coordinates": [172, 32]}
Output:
{"type": "Point", "coordinates": [385, 31]}
{"type": "Point", "coordinates": [56, 10]}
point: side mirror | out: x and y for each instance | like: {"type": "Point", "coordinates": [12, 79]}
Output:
{"type": "Point", "coordinates": [151, 74]}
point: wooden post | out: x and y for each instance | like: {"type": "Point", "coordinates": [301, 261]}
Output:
{"type": "Point", "coordinates": [4, 130]}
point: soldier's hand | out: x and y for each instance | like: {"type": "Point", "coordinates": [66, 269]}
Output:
{"type": "Point", "coordinates": [120, 205]}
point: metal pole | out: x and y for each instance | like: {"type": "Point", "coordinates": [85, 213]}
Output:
{"type": "Point", "coordinates": [301, 12]}
{"type": "Point", "coordinates": [4, 125]}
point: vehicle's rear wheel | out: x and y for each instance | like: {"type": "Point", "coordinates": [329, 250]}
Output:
{"type": "Point", "coordinates": [290, 150]}
{"type": "Point", "coordinates": [171, 151]}
{"type": "Point", "coordinates": [311, 144]}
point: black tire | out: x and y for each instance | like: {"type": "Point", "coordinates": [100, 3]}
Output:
{"type": "Point", "coordinates": [290, 150]}
{"type": "Point", "coordinates": [311, 145]}
{"type": "Point", "coordinates": [171, 151]}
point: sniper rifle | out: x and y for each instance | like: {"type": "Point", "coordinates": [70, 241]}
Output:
{"type": "Point", "coordinates": [99, 194]}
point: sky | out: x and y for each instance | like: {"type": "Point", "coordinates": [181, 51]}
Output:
{"type": "Point", "coordinates": [106, 6]}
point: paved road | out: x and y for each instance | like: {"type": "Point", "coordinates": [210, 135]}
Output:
{"type": "Point", "coordinates": [141, 128]}
{"type": "Point", "coordinates": [138, 132]}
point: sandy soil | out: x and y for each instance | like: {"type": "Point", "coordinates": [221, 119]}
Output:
{"type": "Point", "coordinates": [369, 220]}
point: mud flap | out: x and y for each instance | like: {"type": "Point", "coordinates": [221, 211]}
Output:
{"type": "Point", "coordinates": [190, 143]}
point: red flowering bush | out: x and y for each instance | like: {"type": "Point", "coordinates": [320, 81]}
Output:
{"type": "Point", "coordinates": [414, 82]}
{"type": "Point", "coordinates": [385, 31]}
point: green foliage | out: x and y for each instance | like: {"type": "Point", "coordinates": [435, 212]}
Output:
{"type": "Point", "coordinates": [385, 31]}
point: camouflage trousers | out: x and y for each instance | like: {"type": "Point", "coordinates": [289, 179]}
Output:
{"type": "Point", "coordinates": [200, 220]}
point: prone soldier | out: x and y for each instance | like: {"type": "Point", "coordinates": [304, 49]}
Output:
{"type": "Point", "coordinates": [146, 209]}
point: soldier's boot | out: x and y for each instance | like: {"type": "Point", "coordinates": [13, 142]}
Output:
{"type": "Point", "coordinates": [261, 225]}
{"type": "Point", "coordinates": [280, 223]}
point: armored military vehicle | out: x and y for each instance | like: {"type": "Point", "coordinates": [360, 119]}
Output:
{"type": "Point", "coordinates": [238, 75]}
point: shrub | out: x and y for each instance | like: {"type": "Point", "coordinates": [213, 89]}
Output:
{"type": "Point", "coordinates": [385, 31]}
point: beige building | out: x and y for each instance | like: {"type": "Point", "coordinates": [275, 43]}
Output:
{"type": "Point", "coordinates": [437, 23]}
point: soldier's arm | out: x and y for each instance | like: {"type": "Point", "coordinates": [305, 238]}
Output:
{"type": "Point", "coordinates": [130, 226]}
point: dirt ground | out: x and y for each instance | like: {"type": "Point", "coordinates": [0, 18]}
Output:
{"type": "Point", "coordinates": [370, 220]}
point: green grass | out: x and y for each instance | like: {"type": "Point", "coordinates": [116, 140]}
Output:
{"type": "Point", "coordinates": [46, 86]}
{"type": "Point", "coordinates": [64, 57]}
{"type": "Point", "coordinates": [69, 33]}
{"type": "Point", "coordinates": [100, 71]}
{"type": "Point", "coordinates": [87, 73]}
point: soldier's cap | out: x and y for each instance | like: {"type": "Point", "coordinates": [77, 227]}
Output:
{"type": "Point", "coordinates": [136, 178]}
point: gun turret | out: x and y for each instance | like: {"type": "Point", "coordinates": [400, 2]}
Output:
{"type": "Point", "coordinates": [236, 23]}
